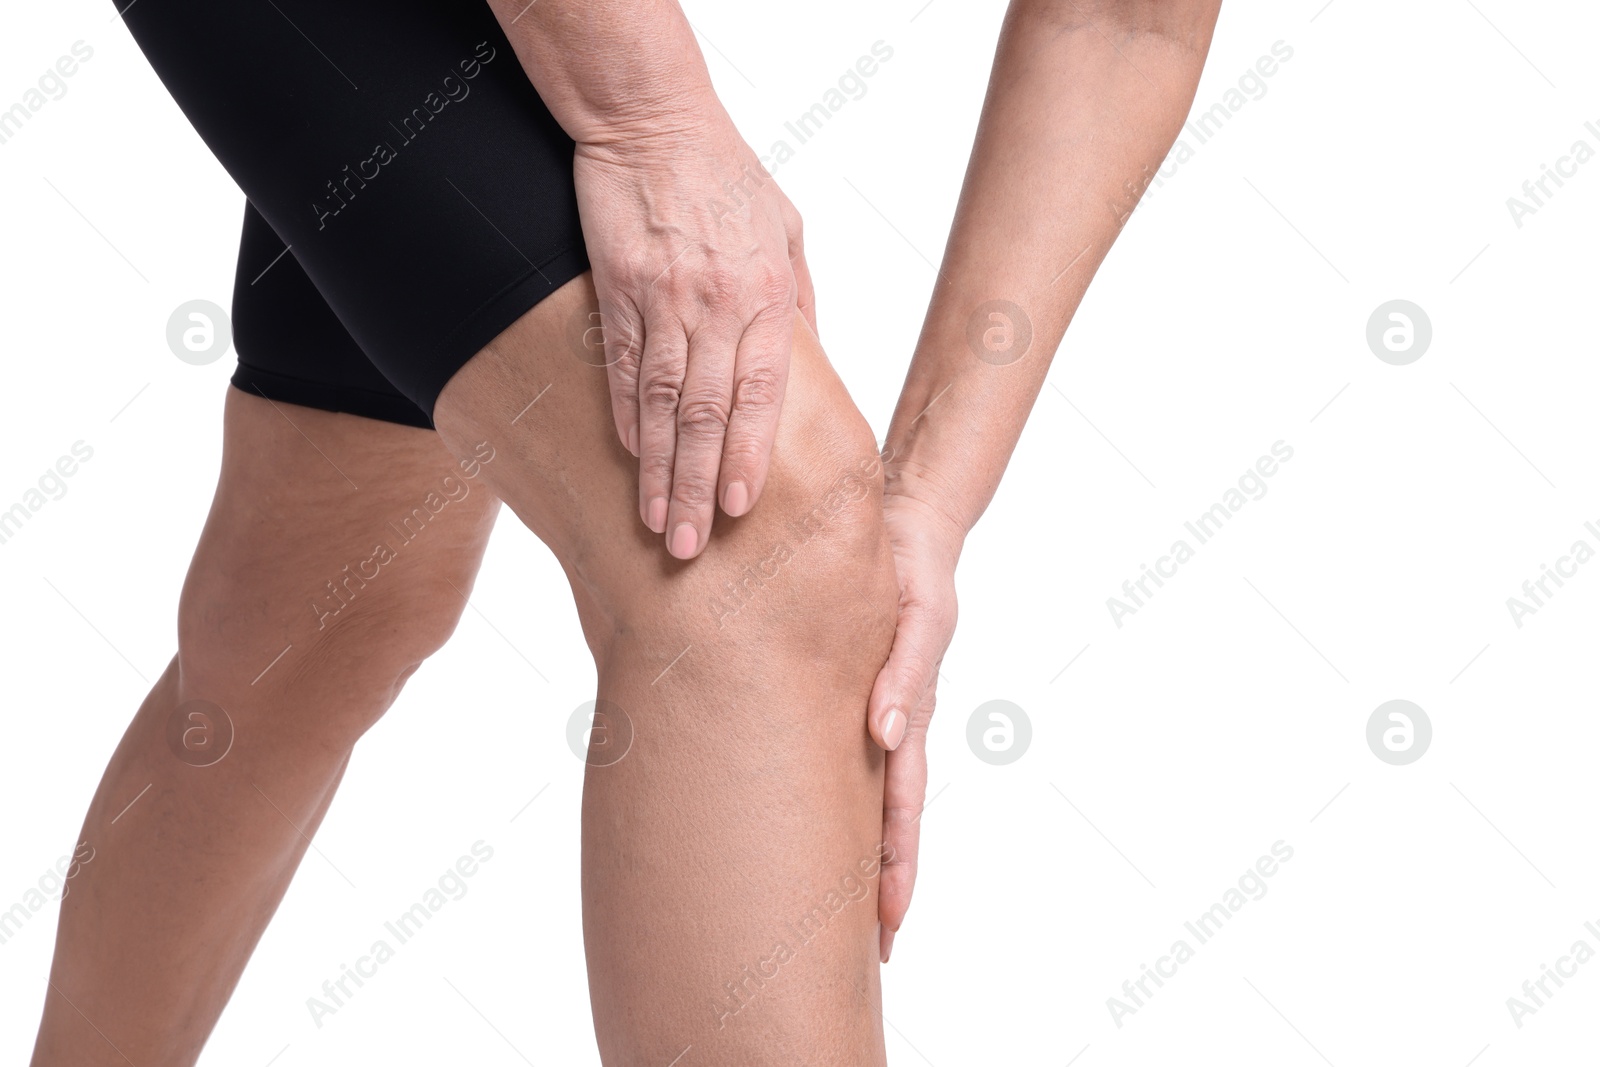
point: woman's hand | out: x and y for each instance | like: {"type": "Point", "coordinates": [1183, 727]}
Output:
{"type": "Point", "coordinates": [927, 544]}
{"type": "Point", "coordinates": [698, 267]}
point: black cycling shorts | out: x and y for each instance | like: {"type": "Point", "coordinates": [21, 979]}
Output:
{"type": "Point", "coordinates": [410, 196]}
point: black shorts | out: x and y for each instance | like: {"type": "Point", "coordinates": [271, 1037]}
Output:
{"type": "Point", "coordinates": [410, 196]}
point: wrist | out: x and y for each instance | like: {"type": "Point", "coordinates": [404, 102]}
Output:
{"type": "Point", "coordinates": [654, 130]}
{"type": "Point", "coordinates": [611, 70]}
{"type": "Point", "coordinates": [931, 499]}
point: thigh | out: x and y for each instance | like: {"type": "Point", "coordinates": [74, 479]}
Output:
{"type": "Point", "coordinates": [337, 553]}
{"type": "Point", "coordinates": [732, 807]}
{"type": "Point", "coordinates": [335, 558]}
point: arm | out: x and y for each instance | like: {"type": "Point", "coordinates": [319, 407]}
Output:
{"type": "Point", "coordinates": [1073, 128]}
{"type": "Point", "coordinates": [610, 70]}
{"type": "Point", "coordinates": [696, 253]}
{"type": "Point", "coordinates": [1085, 99]}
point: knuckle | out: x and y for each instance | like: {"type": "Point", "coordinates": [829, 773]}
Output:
{"type": "Point", "coordinates": [631, 270]}
{"type": "Point", "coordinates": [742, 453]}
{"type": "Point", "coordinates": [692, 491]}
{"type": "Point", "coordinates": [758, 389]}
{"type": "Point", "coordinates": [703, 416]}
{"type": "Point", "coordinates": [773, 286]}
{"type": "Point", "coordinates": [624, 374]}
{"type": "Point", "coordinates": [660, 396]}
{"type": "Point", "coordinates": [912, 678]}
{"type": "Point", "coordinates": [655, 469]}
{"type": "Point", "coordinates": [906, 813]}
{"type": "Point", "coordinates": [624, 352]}
{"type": "Point", "coordinates": [673, 288]}
{"type": "Point", "coordinates": [720, 283]}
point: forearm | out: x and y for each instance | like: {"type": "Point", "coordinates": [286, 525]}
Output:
{"type": "Point", "coordinates": [611, 70]}
{"type": "Point", "coordinates": [1084, 102]}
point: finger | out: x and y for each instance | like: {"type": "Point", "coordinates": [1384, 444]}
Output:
{"type": "Point", "coordinates": [908, 676]}
{"type": "Point", "coordinates": [905, 786]}
{"type": "Point", "coordinates": [806, 294]}
{"type": "Point", "coordinates": [704, 409]}
{"type": "Point", "coordinates": [621, 332]}
{"type": "Point", "coordinates": [661, 373]}
{"type": "Point", "coordinates": [760, 375]}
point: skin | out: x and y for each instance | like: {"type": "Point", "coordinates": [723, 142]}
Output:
{"type": "Point", "coordinates": [137, 977]}
{"type": "Point", "coordinates": [1085, 100]}
{"type": "Point", "coordinates": [744, 816]}
{"type": "Point", "coordinates": [140, 973]}
{"type": "Point", "coordinates": [697, 254]}
{"type": "Point", "coordinates": [751, 789]}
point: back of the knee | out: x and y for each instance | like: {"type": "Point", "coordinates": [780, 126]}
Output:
{"type": "Point", "coordinates": [329, 660]}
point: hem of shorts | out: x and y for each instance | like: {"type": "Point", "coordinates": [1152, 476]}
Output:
{"type": "Point", "coordinates": [491, 318]}
{"type": "Point", "coordinates": [350, 400]}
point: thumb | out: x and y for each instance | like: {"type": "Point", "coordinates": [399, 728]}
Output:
{"type": "Point", "coordinates": [908, 674]}
{"type": "Point", "coordinates": [805, 292]}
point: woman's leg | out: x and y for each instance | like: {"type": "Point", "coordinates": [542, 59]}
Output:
{"type": "Point", "coordinates": [731, 854]}
{"type": "Point", "coordinates": [302, 634]}
{"type": "Point", "coordinates": [732, 809]}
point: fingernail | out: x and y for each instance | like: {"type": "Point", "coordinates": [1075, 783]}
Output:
{"type": "Point", "coordinates": [683, 540]}
{"type": "Point", "coordinates": [887, 943]}
{"type": "Point", "coordinates": [894, 729]}
{"type": "Point", "coordinates": [633, 441]}
{"type": "Point", "coordinates": [655, 514]}
{"type": "Point", "coordinates": [735, 499]}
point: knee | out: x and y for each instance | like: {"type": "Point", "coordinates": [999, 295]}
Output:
{"type": "Point", "coordinates": [322, 662]}
{"type": "Point", "coordinates": [812, 566]}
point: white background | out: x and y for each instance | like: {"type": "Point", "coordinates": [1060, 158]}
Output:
{"type": "Point", "coordinates": [1226, 715]}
